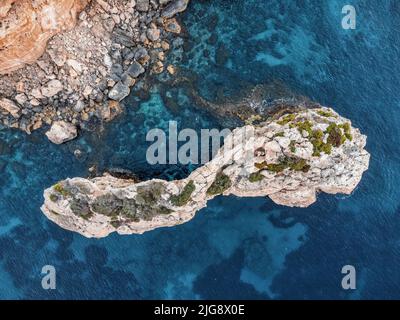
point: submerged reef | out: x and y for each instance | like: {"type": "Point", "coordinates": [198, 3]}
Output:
{"type": "Point", "coordinates": [289, 157]}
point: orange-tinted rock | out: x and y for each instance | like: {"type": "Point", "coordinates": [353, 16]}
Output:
{"type": "Point", "coordinates": [27, 25]}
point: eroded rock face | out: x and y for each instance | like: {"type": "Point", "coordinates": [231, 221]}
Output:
{"type": "Point", "coordinates": [27, 25]}
{"type": "Point", "coordinates": [289, 158]}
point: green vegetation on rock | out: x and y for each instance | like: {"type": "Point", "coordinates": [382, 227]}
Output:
{"type": "Point", "coordinates": [336, 137]}
{"type": "Point", "coordinates": [116, 223]}
{"type": "Point", "coordinates": [326, 148]}
{"type": "Point", "coordinates": [292, 163]}
{"type": "Point", "coordinates": [279, 134]}
{"type": "Point", "coordinates": [60, 188]}
{"type": "Point", "coordinates": [298, 164]}
{"type": "Point", "coordinates": [286, 119]}
{"type": "Point", "coordinates": [107, 204]}
{"type": "Point", "coordinates": [256, 177]}
{"type": "Point", "coordinates": [325, 113]}
{"type": "Point", "coordinates": [253, 120]}
{"type": "Point", "coordinates": [316, 138]}
{"type": "Point", "coordinates": [164, 210]}
{"type": "Point", "coordinates": [145, 206]}
{"type": "Point", "coordinates": [292, 146]}
{"type": "Point", "coordinates": [150, 194]}
{"type": "Point", "coordinates": [80, 207]}
{"type": "Point", "coordinates": [185, 196]}
{"type": "Point", "coordinates": [221, 183]}
{"type": "Point", "coordinates": [303, 126]}
{"type": "Point", "coordinates": [347, 131]}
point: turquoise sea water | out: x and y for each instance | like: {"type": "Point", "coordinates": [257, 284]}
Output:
{"type": "Point", "coordinates": [235, 248]}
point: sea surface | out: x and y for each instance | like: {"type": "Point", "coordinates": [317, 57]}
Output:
{"type": "Point", "coordinates": [235, 248]}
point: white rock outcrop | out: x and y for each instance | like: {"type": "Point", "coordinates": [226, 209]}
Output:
{"type": "Point", "coordinates": [289, 158]}
{"type": "Point", "coordinates": [61, 132]}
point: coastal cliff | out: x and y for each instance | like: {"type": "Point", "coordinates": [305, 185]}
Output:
{"type": "Point", "coordinates": [290, 157]}
{"type": "Point", "coordinates": [27, 25]}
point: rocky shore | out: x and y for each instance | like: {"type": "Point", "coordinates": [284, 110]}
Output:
{"type": "Point", "coordinates": [290, 157]}
{"type": "Point", "coordinates": [66, 62]}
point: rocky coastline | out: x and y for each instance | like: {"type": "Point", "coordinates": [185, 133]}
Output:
{"type": "Point", "coordinates": [68, 63]}
{"type": "Point", "coordinates": [81, 59]}
{"type": "Point", "coordinates": [289, 158]}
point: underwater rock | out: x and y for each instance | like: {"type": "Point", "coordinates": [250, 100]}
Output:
{"type": "Point", "coordinates": [172, 26]}
{"type": "Point", "coordinates": [273, 158]}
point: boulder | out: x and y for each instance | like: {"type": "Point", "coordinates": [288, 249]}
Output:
{"type": "Point", "coordinates": [52, 88]}
{"type": "Point", "coordinates": [175, 7]}
{"type": "Point", "coordinates": [8, 106]}
{"type": "Point", "coordinates": [135, 70]}
{"type": "Point", "coordinates": [142, 5]}
{"type": "Point", "coordinates": [142, 55]}
{"type": "Point", "coordinates": [119, 92]}
{"type": "Point", "coordinates": [61, 132]}
{"type": "Point", "coordinates": [153, 34]}
{"type": "Point", "coordinates": [173, 26]}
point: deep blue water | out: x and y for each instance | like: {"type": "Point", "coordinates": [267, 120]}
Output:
{"type": "Point", "coordinates": [235, 248]}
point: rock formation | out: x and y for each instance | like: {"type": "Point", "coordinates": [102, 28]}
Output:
{"type": "Point", "coordinates": [83, 73]}
{"type": "Point", "coordinates": [27, 25]}
{"type": "Point", "coordinates": [289, 158]}
{"type": "Point", "coordinates": [61, 132]}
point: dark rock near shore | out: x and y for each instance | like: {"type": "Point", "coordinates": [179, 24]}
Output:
{"type": "Point", "coordinates": [135, 70]}
{"type": "Point", "coordinates": [119, 92]}
{"type": "Point", "coordinates": [142, 5]}
{"type": "Point", "coordinates": [175, 7]}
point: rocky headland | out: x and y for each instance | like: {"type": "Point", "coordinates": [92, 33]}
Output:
{"type": "Point", "coordinates": [66, 62]}
{"type": "Point", "coordinates": [289, 158]}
